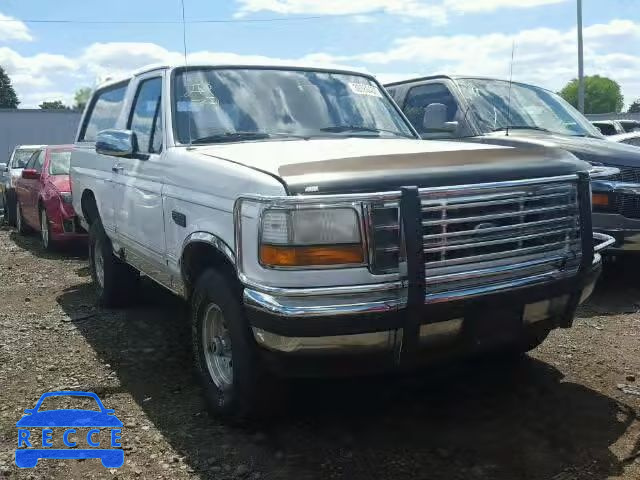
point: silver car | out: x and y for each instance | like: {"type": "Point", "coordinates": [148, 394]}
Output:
{"type": "Point", "coordinates": [9, 173]}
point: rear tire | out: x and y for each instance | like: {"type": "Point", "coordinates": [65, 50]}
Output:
{"type": "Point", "coordinates": [115, 281]}
{"type": "Point", "coordinates": [235, 382]}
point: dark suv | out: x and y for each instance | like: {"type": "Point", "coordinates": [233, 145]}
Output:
{"type": "Point", "coordinates": [500, 112]}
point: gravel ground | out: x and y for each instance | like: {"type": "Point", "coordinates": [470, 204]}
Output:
{"type": "Point", "coordinates": [568, 412]}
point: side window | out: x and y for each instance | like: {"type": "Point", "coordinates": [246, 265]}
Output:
{"type": "Point", "coordinates": [633, 141]}
{"type": "Point", "coordinates": [21, 157]}
{"type": "Point", "coordinates": [32, 160]}
{"type": "Point", "coordinates": [146, 116]}
{"type": "Point", "coordinates": [393, 91]}
{"type": "Point", "coordinates": [606, 128]}
{"type": "Point", "coordinates": [103, 112]}
{"type": "Point", "coordinates": [420, 97]}
{"type": "Point", "coordinates": [39, 161]}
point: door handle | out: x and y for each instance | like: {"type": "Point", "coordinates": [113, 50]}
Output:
{"type": "Point", "coordinates": [117, 168]}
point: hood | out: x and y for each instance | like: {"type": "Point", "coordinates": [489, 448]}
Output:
{"type": "Point", "coordinates": [61, 182]}
{"type": "Point", "coordinates": [69, 418]}
{"type": "Point", "coordinates": [588, 149]}
{"type": "Point", "coordinates": [353, 165]}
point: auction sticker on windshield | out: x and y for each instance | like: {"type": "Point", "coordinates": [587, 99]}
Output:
{"type": "Point", "coordinates": [365, 89]}
{"type": "Point", "coordinates": [69, 433]}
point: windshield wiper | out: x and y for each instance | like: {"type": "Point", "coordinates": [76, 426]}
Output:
{"type": "Point", "coordinates": [521, 127]}
{"type": "Point", "coordinates": [358, 128]}
{"type": "Point", "coordinates": [240, 136]}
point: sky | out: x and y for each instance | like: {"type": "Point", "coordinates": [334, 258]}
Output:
{"type": "Point", "coordinates": [392, 39]}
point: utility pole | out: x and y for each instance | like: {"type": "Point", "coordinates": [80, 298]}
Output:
{"type": "Point", "coordinates": [580, 61]}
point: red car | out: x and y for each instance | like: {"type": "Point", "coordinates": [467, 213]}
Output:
{"type": "Point", "coordinates": [44, 197]}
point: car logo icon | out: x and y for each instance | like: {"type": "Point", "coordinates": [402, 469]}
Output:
{"type": "Point", "coordinates": [70, 420]}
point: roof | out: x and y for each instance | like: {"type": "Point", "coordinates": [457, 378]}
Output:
{"type": "Point", "coordinates": [275, 65]}
{"type": "Point", "coordinates": [29, 147]}
{"type": "Point", "coordinates": [460, 77]}
{"type": "Point", "coordinates": [623, 136]}
{"type": "Point", "coordinates": [66, 146]}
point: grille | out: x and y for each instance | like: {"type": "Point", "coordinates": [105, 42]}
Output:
{"type": "Point", "coordinates": [627, 205]}
{"type": "Point", "coordinates": [627, 174]}
{"type": "Point", "coordinates": [494, 236]}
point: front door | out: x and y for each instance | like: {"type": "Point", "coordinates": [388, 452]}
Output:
{"type": "Point", "coordinates": [31, 191]}
{"type": "Point", "coordinates": [138, 181]}
{"type": "Point", "coordinates": [420, 97]}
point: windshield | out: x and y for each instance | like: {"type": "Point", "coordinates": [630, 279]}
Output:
{"type": "Point", "coordinates": [21, 157]}
{"type": "Point", "coordinates": [217, 105]}
{"type": "Point", "coordinates": [59, 163]}
{"type": "Point", "coordinates": [530, 107]}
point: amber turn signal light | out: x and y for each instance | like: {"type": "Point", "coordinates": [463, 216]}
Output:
{"type": "Point", "coordinates": [288, 256]}
{"type": "Point", "coordinates": [600, 199]}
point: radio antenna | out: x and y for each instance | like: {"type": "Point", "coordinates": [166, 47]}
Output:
{"type": "Point", "coordinates": [513, 49]}
{"type": "Point", "coordinates": [186, 69]}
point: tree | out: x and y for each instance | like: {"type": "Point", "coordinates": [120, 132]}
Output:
{"type": "Point", "coordinates": [81, 98]}
{"type": "Point", "coordinates": [54, 105]}
{"type": "Point", "coordinates": [635, 107]}
{"type": "Point", "coordinates": [601, 94]}
{"type": "Point", "coordinates": [8, 97]}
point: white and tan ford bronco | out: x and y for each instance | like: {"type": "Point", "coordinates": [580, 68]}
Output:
{"type": "Point", "coordinates": [313, 232]}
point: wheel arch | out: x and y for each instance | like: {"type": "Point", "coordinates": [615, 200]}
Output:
{"type": "Point", "coordinates": [89, 206]}
{"type": "Point", "coordinates": [202, 250]}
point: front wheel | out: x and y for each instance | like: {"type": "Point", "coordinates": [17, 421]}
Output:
{"type": "Point", "coordinates": [10, 208]}
{"type": "Point", "coordinates": [21, 226]}
{"type": "Point", "coordinates": [235, 382]}
{"type": "Point", "coordinates": [115, 281]}
{"type": "Point", "coordinates": [45, 231]}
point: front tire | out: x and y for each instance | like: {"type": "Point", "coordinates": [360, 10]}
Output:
{"type": "Point", "coordinates": [21, 226]}
{"type": "Point", "coordinates": [115, 281]}
{"type": "Point", "coordinates": [10, 208]}
{"type": "Point", "coordinates": [235, 382]}
{"type": "Point", "coordinates": [45, 231]}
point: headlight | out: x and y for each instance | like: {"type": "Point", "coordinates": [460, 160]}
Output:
{"type": "Point", "coordinates": [66, 197]}
{"type": "Point", "coordinates": [310, 237]}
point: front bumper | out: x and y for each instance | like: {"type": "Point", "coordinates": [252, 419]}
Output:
{"type": "Point", "coordinates": [626, 231]}
{"type": "Point", "coordinates": [336, 322]}
{"type": "Point", "coordinates": [64, 223]}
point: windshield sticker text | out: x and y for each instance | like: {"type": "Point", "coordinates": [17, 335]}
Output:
{"type": "Point", "coordinates": [201, 93]}
{"type": "Point", "coordinates": [365, 89]}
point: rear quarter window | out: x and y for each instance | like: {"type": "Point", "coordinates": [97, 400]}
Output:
{"type": "Point", "coordinates": [104, 111]}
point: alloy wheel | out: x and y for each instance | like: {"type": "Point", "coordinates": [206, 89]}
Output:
{"type": "Point", "coordinates": [18, 218]}
{"type": "Point", "coordinates": [98, 262]}
{"type": "Point", "coordinates": [216, 343]}
{"type": "Point", "coordinates": [44, 228]}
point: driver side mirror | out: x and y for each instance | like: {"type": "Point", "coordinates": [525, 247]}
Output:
{"type": "Point", "coordinates": [435, 119]}
{"type": "Point", "coordinates": [119, 143]}
{"type": "Point", "coordinates": [30, 174]}
{"type": "Point", "coordinates": [4, 168]}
